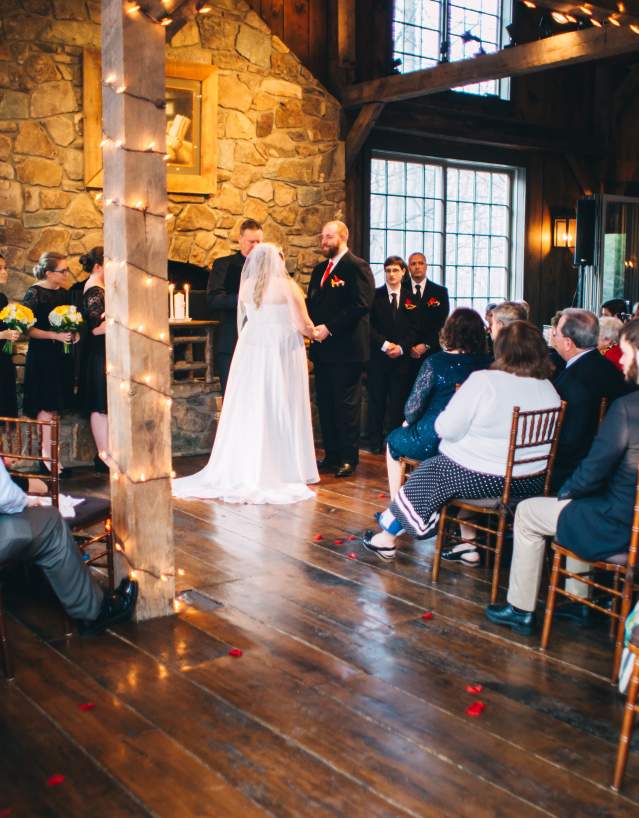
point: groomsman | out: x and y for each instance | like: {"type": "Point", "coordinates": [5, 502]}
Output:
{"type": "Point", "coordinates": [393, 332]}
{"type": "Point", "coordinates": [340, 296]}
{"type": "Point", "coordinates": [432, 310]}
{"type": "Point", "coordinates": [221, 294]}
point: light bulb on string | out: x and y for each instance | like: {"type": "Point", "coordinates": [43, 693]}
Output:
{"type": "Point", "coordinates": [120, 89]}
{"type": "Point", "coordinates": [166, 21]}
{"type": "Point", "coordinates": [110, 79]}
{"type": "Point", "coordinates": [133, 8]}
{"type": "Point", "coordinates": [634, 28]}
{"type": "Point", "coordinates": [614, 22]}
{"type": "Point", "coordinates": [586, 10]}
{"type": "Point", "coordinates": [150, 146]}
{"type": "Point", "coordinates": [529, 4]}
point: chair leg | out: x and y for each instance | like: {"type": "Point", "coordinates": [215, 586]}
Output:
{"type": "Point", "coordinates": [439, 543]}
{"type": "Point", "coordinates": [626, 601]}
{"type": "Point", "coordinates": [550, 604]}
{"type": "Point", "coordinates": [626, 727]}
{"type": "Point", "coordinates": [499, 544]}
{"type": "Point", "coordinates": [7, 666]}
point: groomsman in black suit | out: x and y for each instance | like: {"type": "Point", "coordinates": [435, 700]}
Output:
{"type": "Point", "coordinates": [432, 310]}
{"type": "Point", "coordinates": [340, 296]}
{"type": "Point", "coordinates": [393, 332]}
{"type": "Point", "coordinates": [221, 294]}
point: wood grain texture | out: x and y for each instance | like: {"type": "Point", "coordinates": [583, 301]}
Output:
{"type": "Point", "coordinates": [344, 703]}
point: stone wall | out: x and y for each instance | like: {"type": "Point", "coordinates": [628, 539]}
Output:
{"type": "Point", "coordinates": [280, 158]}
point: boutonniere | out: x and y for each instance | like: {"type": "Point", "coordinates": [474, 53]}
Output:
{"type": "Point", "coordinates": [408, 304]}
{"type": "Point", "coordinates": [337, 282]}
{"type": "Point", "coordinates": [433, 302]}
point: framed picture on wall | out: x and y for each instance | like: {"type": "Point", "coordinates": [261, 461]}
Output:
{"type": "Point", "coordinates": [191, 125]}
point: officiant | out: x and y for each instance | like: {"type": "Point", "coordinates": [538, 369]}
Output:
{"type": "Point", "coordinates": [221, 294]}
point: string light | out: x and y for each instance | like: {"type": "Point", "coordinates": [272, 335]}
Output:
{"type": "Point", "coordinates": [110, 79]}
{"type": "Point", "coordinates": [614, 22]}
{"type": "Point", "coordinates": [120, 89]}
{"type": "Point", "coordinates": [586, 10]}
{"type": "Point", "coordinates": [529, 4]}
{"type": "Point", "coordinates": [634, 28]}
{"type": "Point", "coordinates": [595, 22]}
{"type": "Point", "coordinates": [166, 21]}
{"type": "Point", "coordinates": [205, 9]}
{"type": "Point", "coordinates": [558, 17]}
{"type": "Point", "coordinates": [133, 8]}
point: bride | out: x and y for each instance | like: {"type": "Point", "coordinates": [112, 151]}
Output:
{"type": "Point", "coordinates": [263, 450]}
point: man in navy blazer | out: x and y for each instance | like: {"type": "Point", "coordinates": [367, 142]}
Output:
{"type": "Point", "coordinates": [339, 300]}
{"type": "Point", "coordinates": [592, 514]}
{"type": "Point", "coordinates": [393, 333]}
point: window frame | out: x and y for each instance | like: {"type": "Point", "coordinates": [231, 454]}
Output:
{"type": "Point", "coordinates": [517, 208]}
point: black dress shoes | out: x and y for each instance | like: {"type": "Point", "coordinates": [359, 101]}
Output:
{"type": "Point", "coordinates": [345, 470]}
{"type": "Point", "coordinates": [116, 607]}
{"type": "Point", "coordinates": [520, 621]}
{"type": "Point", "coordinates": [574, 612]}
{"type": "Point", "coordinates": [326, 465]}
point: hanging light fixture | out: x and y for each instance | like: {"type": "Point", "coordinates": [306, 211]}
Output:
{"type": "Point", "coordinates": [564, 231]}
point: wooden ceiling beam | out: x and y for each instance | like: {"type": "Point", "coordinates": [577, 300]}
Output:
{"type": "Point", "coordinates": [553, 52]}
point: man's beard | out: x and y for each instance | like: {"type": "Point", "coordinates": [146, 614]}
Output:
{"type": "Point", "coordinates": [330, 252]}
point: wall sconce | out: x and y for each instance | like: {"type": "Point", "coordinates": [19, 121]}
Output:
{"type": "Point", "coordinates": [564, 232]}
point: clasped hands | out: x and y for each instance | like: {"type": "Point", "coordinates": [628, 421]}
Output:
{"type": "Point", "coordinates": [393, 350]}
{"type": "Point", "coordinates": [320, 333]}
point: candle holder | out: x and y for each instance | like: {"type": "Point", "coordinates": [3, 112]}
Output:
{"type": "Point", "coordinates": [179, 305]}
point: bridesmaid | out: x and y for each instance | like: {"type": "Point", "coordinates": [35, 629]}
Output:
{"type": "Point", "coordinates": [94, 388]}
{"type": "Point", "coordinates": [48, 377]}
{"type": "Point", "coordinates": [8, 396]}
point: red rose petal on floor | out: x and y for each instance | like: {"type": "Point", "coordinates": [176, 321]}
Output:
{"type": "Point", "coordinates": [318, 538]}
{"type": "Point", "coordinates": [235, 652]}
{"type": "Point", "coordinates": [475, 709]}
{"type": "Point", "coordinates": [381, 495]}
{"type": "Point", "coordinates": [55, 780]}
{"type": "Point", "coordinates": [86, 706]}
{"type": "Point", "coordinates": [427, 615]}
{"type": "Point", "coordinates": [352, 538]}
{"type": "Point", "coordinates": [339, 542]}
{"type": "Point", "coordinates": [352, 555]}
{"type": "Point", "coordinates": [474, 690]}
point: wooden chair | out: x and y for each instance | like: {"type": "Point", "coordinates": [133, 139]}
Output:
{"type": "Point", "coordinates": [627, 725]}
{"type": "Point", "coordinates": [622, 567]}
{"type": "Point", "coordinates": [528, 430]}
{"type": "Point", "coordinates": [20, 443]}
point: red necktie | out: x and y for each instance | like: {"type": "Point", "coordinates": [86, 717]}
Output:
{"type": "Point", "coordinates": [327, 272]}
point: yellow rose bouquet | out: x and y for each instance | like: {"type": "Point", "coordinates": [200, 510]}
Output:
{"type": "Point", "coordinates": [66, 318]}
{"type": "Point", "coordinates": [16, 317]}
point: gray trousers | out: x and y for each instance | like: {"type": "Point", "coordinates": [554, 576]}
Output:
{"type": "Point", "coordinates": [41, 535]}
{"type": "Point", "coordinates": [536, 519]}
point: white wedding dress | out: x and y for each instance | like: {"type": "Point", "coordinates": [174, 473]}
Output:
{"type": "Point", "coordinates": [263, 450]}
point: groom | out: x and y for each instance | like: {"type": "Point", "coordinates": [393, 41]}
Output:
{"type": "Point", "coordinates": [340, 297]}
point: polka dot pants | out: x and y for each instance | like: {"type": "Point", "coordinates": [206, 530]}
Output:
{"type": "Point", "coordinates": [438, 480]}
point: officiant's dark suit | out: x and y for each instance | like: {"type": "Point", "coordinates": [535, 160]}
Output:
{"type": "Point", "coordinates": [342, 303]}
{"type": "Point", "coordinates": [389, 378]}
{"type": "Point", "coordinates": [221, 298]}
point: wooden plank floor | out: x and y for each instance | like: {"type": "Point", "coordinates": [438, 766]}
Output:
{"type": "Point", "coordinates": [345, 702]}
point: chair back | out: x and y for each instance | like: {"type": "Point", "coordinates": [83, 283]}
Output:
{"type": "Point", "coordinates": [529, 431]}
{"type": "Point", "coordinates": [21, 441]}
{"type": "Point", "coordinates": [633, 547]}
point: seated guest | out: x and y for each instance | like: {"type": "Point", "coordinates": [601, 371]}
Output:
{"type": "Point", "coordinates": [37, 534]}
{"type": "Point", "coordinates": [609, 329]}
{"type": "Point", "coordinates": [615, 308]}
{"type": "Point", "coordinates": [587, 378]}
{"type": "Point", "coordinates": [592, 513]}
{"type": "Point", "coordinates": [504, 314]}
{"type": "Point", "coordinates": [488, 316]}
{"type": "Point", "coordinates": [555, 358]}
{"type": "Point", "coordinates": [464, 350]}
{"type": "Point", "coordinates": [475, 432]}
{"type": "Point", "coordinates": [392, 333]}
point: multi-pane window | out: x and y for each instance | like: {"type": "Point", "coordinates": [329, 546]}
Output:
{"type": "Point", "coordinates": [465, 218]}
{"type": "Point", "coordinates": [426, 32]}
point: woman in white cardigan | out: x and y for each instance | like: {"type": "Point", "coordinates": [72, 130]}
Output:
{"type": "Point", "coordinates": [475, 431]}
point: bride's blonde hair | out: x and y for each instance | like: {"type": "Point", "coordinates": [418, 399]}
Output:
{"type": "Point", "coordinates": [262, 278]}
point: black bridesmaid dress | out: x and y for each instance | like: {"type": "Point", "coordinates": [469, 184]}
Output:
{"type": "Point", "coordinates": [48, 375]}
{"type": "Point", "coordinates": [94, 387]}
{"type": "Point", "coordinates": [8, 396]}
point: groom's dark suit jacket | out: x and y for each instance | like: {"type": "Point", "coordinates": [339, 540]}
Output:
{"type": "Point", "coordinates": [221, 296]}
{"type": "Point", "coordinates": [343, 304]}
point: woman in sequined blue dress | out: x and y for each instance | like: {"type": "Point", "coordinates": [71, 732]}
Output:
{"type": "Point", "coordinates": [463, 340]}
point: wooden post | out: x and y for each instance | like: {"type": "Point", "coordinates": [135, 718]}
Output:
{"type": "Point", "coordinates": [137, 340]}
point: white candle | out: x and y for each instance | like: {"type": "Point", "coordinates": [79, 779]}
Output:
{"type": "Point", "coordinates": [187, 287]}
{"type": "Point", "coordinates": [171, 313]}
{"type": "Point", "coordinates": [179, 304]}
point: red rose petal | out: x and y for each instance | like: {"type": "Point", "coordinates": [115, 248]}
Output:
{"type": "Point", "coordinates": [86, 706]}
{"type": "Point", "coordinates": [427, 615]}
{"type": "Point", "coordinates": [235, 652]}
{"type": "Point", "coordinates": [381, 495]}
{"type": "Point", "coordinates": [318, 538]}
{"type": "Point", "coordinates": [475, 709]}
{"type": "Point", "coordinates": [352, 538]}
{"type": "Point", "coordinates": [339, 542]}
{"type": "Point", "coordinates": [352, 555]}
{"type": "Point", "coordinates": [55, 780]}
{"type": "Point", "coordinates": [474, 690]}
